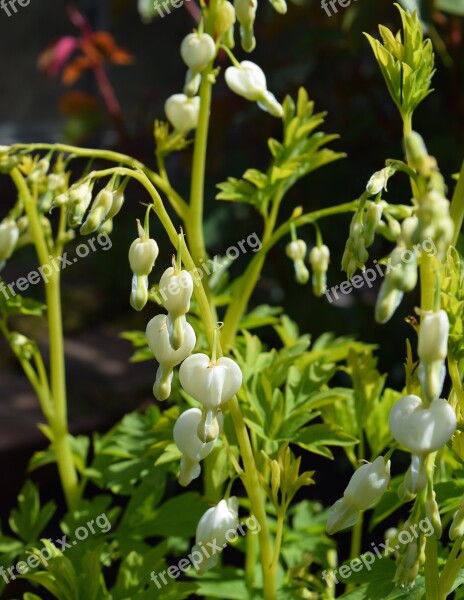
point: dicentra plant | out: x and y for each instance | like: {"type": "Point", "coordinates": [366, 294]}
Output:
{"type": "Point", "coordinates": [238, 416]}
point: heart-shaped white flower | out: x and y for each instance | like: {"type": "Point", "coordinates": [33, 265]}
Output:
{"type": "Point", "coordinates": [182, 112]}
{"type": "Point", "coordinates": [422, 430]}
{"type": "Point", "coordinates": [247, 81]}
{"type": "Point", "coordinates": [197, 51]}
{"type": "Point", "coordinates": [210, 383]}
{"type": "Point", "coordinates": [157, 333]}
{"type": "Point", "coordinates": [433, 337]}
{"type": "Point", "coordinates": [176, 289]}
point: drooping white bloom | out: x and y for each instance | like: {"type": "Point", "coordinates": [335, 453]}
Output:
{"type": "Point", "coordinates": [213, 529]}
{"type": "Point", "coordinates": [378, 181]}
{"type": "Point", "coordinates": [422, 430]}
{"type": "Point", "coordinates": [245, 11]}
{"type": "Point", "coordinates": [365, 487]}
{"type": "Point", "coordinates": [197, 51]}
{"type": "Point", "coordinates": [182, 112]}
{"type": "Point", "coordinates": [319, 258]}
{"type": "Point", "coordinates": [192, 448]}
{"type": "Point", "coordinates": [80, 197]}
{"type": "Point", "coordinates": [248, 80]}
{"type": "Point", "coordinates": [143, 253]}
{"type": "Point", "coordinates": [210, 383]}
{"type": "Point", "coordinates": [157, 333]}
{"type": "Point", "coordinates": [176, 288]}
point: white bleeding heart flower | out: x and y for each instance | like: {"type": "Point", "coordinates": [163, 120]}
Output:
{"type": "Point", "coordinates": [433, 337]}
{"type": "Point", "coordinates": [213, 528]}
{"type": "Point", "coordinates": [211, 383]}
{"type": "Point", "coordinates": [143, 253]}
{"type": "Point", "coordinates": [158, 338]}
{"type": "Point", "coordinates": [422, 430]}
{"type": "Point", "coordinates": [197, 51]}
{"type": "Point", "coordinates": [365, 487]}
{"type": "Point", "coordinates": [319, 258]}
{"type": "Point", "coordinates": [193, 450]}
{"type": "Point", "coordinates": [248, 80]}
{"type": "Point", "coordinates": [182, 112]}
{"type": "Point", "coordinates": [176, 288]}
{"type": "Point", "coordinates": [157, 333]}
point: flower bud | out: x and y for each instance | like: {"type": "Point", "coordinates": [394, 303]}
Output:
{"type": "Point", "coordinates": [214, 527]}
{"type": "Point", "coordinates": [301, 272]}
{"type": "Point", "coordinates": [225, 17]}
{"type": "Point", "coordinates": [457, 526]}
{"type": "Point", "coordinates": [248, 80]}
{"type": "Point", "coordinates": [197, 51]}
{"type": "Point", "coordinates": [417, 155]}
{"type": "Point", "coordinates": [210, 383]}
{"type": "Point", "coordinates": [193, 450]}
{"type": "Point", "coordinates": [182, 112]}
{"type": "Point", "coordinates": [371, 221]}
{"type": "Point", "coordinates": [98, 213]}
{"type": "Point", "coordinates": [192, 83]}
{"type": "Point", "coordinates": [415, 479]}
{"type": "Point", "coordinates": [139, 292]}
{"type": "Point", "coordinates": [296, 250]}
{"type": "Point", "coordinates": [56, 182]}
{"type": "Point", "coordinates": [9, 234]}
{"type": "Point", "coordinates": [433, 337]}
{"type": "Point", "coordinates": [422, 430]}
{"type": "Point", "coordinates": [365, 487]}
{"type": "Point", "coordinates": [408, 229]}
{"type": "Point", "coordinates": [246, 14]}
{"type": "Point", "coordinates": [176, 288]}
{"type": "Point", "coordinates": [40, 171]}
{"type": "Point", "coordinates": [388, 300]}
{"type": "Point", "coordinates": [143, 253]}
{"type": "Point", "coordinates": [80, 197]}
{"type": "Point", "coordinates": [432, 512]}
{"type": "Point", "coordinates": [319, 258]}
{"type": "Point", "coordinates": [378, 181]}
{"type": "Point", "coordinates": [279, 6]}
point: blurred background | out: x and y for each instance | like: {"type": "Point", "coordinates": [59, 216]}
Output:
{"type": "Point", "coordinates": [48, 94]}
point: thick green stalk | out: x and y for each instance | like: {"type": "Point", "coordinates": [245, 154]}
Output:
{"type": "Point", "coordinates": [457, 206]}
{"type": "Point", "coordinates": [59, 422]}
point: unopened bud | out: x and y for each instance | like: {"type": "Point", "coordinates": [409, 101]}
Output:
{"type": "Point", "coordinates": [143, 253]}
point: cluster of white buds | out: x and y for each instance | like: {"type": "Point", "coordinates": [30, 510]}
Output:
{"type": "Point", "coordinates": [213, 530]}
{"type": "Point", "coordinates": [355, 254]}
{"type": "Point", "coordinates": [433, 216]}
{"type": "Point", "coordinates": [39, 172]}
{"type": "Point", "coordinates": [78, 200]}
{"type": "Point", "coordinates": [296, 251]}
{"type": "Point", "coordinates": [143, 253]}
{"type": "Point", "coordinates": [248, 80]}
{"type": "Point", "coordinates": [319, 259]}
{"type": "Point", "coordinates": [421, 430]}
{"type": "Point", "coordinates": [9, 234]}
{"type": "Point", "coordinates": [212, 383]}
{"type": "Point", "coordinates": [192, 448]}
{"type": "Point", "coordinates": [400, 277]}
{"type": "Point", "coordinates": [105, 207]}
{"type": "Point", "coordinates": [365, 487]}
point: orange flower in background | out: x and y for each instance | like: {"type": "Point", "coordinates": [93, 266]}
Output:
{"type": "Point", "coordinates": [95, 48]}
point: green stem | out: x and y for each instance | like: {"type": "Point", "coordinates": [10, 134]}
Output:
{"type": "Point", "coordinates": [278, 542]}
{"type": "Point", "coordinates": [59, 422]}
{"type": "Point", "coordinates": [451, 569]}
{"type": "Point", "coordinates": [257, 499]}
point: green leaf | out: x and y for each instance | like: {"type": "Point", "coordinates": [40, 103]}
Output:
{"type": "Point", "coordinates": [18, 305]}
{"type": "Point", "coordinates": [30, 519]}
{"type": "Point", "coordinates": [316, 438]}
